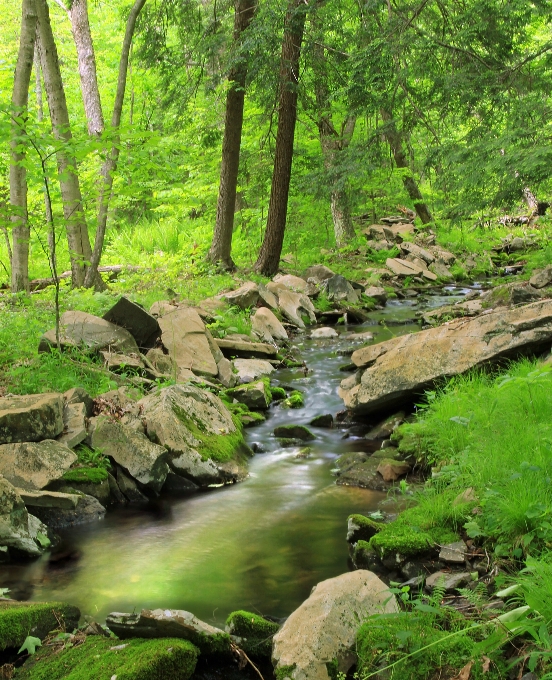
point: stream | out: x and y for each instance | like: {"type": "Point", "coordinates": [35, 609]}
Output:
{"type": "Point", "coordinates": [260, 545]}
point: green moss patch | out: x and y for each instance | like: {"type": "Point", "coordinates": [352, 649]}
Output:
{"type": "Point", "coordinates": [295, 400]}
{"type": "Point", "coordinates": [362, 528]}
{"type": "Point", "coordinates": [284, 672]}
{"type": "Point", "coordinates": [102, 659]}
{"type": "Point", "coordinates": [85, 475]}
{"type": "Point", "coordinates": [278, 393]}
{"type": "Point", "coordinates": [256, 632]}
{"type": "Point", "coordinates": [20, 619]}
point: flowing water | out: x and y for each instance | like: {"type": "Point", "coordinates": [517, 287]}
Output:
{"type": "Point", "coordinates": [260, 545]}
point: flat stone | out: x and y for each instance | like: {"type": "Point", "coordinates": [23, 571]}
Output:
{"type": "Point", "coordinates": [247, 350]}
{"type": "Point", "coordinates": [392, 470]}
{"type": "Point", "coordinates": [403, 267]}
{"type": "Point", "coordinates": [74, 418]}
{"type": "Point", "coordinates": [30, 417]}
{"type": "Point", "coordinates": [244, 297]}
{"type": "Point", "coordinates": [142, 326]}
{"type": "Point", "coordinates": [117, 362]}
{"type": "Point", "coordinates": [87, 510]}
{"type": "Point", "coordinates": [163, 363]}
{"type": "Point", "coordinates": [249, 370]}
{"type": "Point", "coordinates": [18, 529]}
{"type": "Point", "coordinates": [33, 465]}
{"type": "Point", "coordinates": [454, 552]}
{"type": "Point", "coordinates": [294, 431]}
{"type": "Point", "coordinates": [267, 326]}
{"type": "Point", "coordinates": [48, 499]}
{"type": "Point", "coordinates": [418, 252]}
{"type": "Point", "coordinates": [542, 277]}
{"type": "Point", "coordinates": [324, 333]}
{"type": "Point", "coordinates": [78, 395]}
{"type": "Point", "coordinates": [162, 307]}
{"type": "Point", "coordinates": [268, 297]}
{"type": "Point", "coordinates": [377, 293]}
{"type": "Point", "coordinates": [183, 333]}
{"type": "Point", "coordinates": [430, 276]}
{"type": "Point", "coordinates": [318, 272]}
{"type": "Point", "coordinates": [292, 282]}
{"type": "Point", "coordinates": [448, 580]}
{"type": "Point", "coordinates": [441, 271]}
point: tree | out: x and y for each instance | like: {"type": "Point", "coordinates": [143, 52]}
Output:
{"type": "Point", "coordinates": [18, 173]}
{"type": "Point", "coordinates": [221, 246]}
{"type": "Point", "coordinates": [268, 260]}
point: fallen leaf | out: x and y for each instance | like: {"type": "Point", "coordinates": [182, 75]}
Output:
{"type": "Point", "coordinates": [465, 672]}
{"type": "Point", "coordinates": [486, 664]}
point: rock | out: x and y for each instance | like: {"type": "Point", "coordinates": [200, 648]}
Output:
{"type": "Point", "coordinates": [391, 470]}
{"type": "Point", "coordinates": [244, 297]}
{"type": "Point", "coordinates": [226, 373]}
{"type": "Point", "coordinates": [78, 395]}
{"type": "Point", "coordinates": [30, 417]}
{"type": "Point", "coordinates": [246, 349]}
{"type": "Point", "coordinates": [249, 370]}
{"type": "Point", "coordinates": [117, 362]}
{"type": "Point", "coordinates": [116, 495]}
{"type": "Point", "coordinates": [20, 619]}
{"type": "Point", "coordinates": [19, 531]}
{"type": "Point", "coordinates": [129, 488]}
{"type": "Point", "coordinates": [197, 429]}
{"type": "Point", "coordinates": [390, 378]}
{"type": "Point", "coordinates": [318, 272]}
{"type": "Point", "coordinates": [365, 336]}
{"type": "Point", "coordinates": [142, 326]}
{"type": "Point", "coordinates": [324, 420]}
{"type": "Point", "coordinates": [339, 289]}
{"type": "Point", "coordinates": [448, 312]}
{"type": "Point", "coordinates": [255, 395]}
{"type": "Point", "coordinates": [467, 496]}
{"type": "Point", "coordinates": [163, 363]}
{"type": "Point", "coordinates": [88, 509]}
{"type": "Point", "coordinates": [418, 252]}
{"type": "Point", "coordinates": [88, 481]}
{"type": "Point", "coordinates": [377, 293]}
{"type": "Point", "coordinates": [441, 271]}
{"type": "Point", "coordinates": [398, 230]}
{"type": "Point", "coordinates": [267, 326]}
{"type": "Point", "coordinates": [454, 552]}
{"type": "Point", "coordinates": [177, 484]}
{"type": "Point", "coordinates": [145, 461]}
{"type": "Point", "coordinates": [360, 528]}
{"type": "Point", "coordinates": [447, 580]}
{"type": "Point", "coordinates": [324, 333]}
{"type": "Point", "coordinates": [48, 499]}
{"type": "Point", "coordinates": [162, 307]}
{"type": "Point", "coordinates": [403, 267]}
{"type": "Point", "coordinates": [511, 294]}
{"type": "Point", "coordinates": [295, 283]}
{"type": "Point", "coordinates": [79, 329]}
{"type": "Point", "coordinates": [254, 631]}
{"type": "Point", "coordinates": [445, 256]}
{"type": "Point", "coordinates": [356, 469]}
{"type": "Point", "coordinates": [294, 431]}
{"type": "Point", "coordinates": [33, 465]}
{"type": "Point", "coordinates": [385, 429]}
{"type": "Point", "coordinates": [74, 432]}
{"type": "Point", "coordinates": [268, 297]}
{"type": "Point", "coordinates": [541, 277]}
{"type": "Point", "coordinates": [183, 333]}
{"type": "Point", "coordinates": [294, 305]}
{"type": "Point", "coordinates": [323, 629]}
{"type": "Point", "coordinates": [170, 623]}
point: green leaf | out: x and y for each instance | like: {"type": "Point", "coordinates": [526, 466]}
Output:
{"type": "Point", "coordinates": [30, 645]}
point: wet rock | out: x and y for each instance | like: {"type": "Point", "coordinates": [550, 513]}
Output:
{"type": "Point", "coordinates": [249, 370]}
{"type": "Point", "coordinates": [323, 420]}
{"type": "Point", "coordinates": [129, 488]}
{"type": "Point", "coordinates": [177, 484]}
{"type": "Point", "coordinates": [88, 509]}
{"type": "Point", "coordinates": [145, 461]}
{"type": "Point", "coordinates": [448, 580]}
{"type": "Point", "coordinates": [183, 333]}
{"type": "Point", "coordinates": [268, 327]}
{"type": "Point", "coordinates": [318, 272]}
{"type": "Point", "coordinates": [323, 629]}
{"type": "Point", "coordinates": [365, 336]}
{"type": "Point", "coordinates": [377, 293]}
{"type": "Point", "coordinates": [511, 294]}
{"type": "Point", "coordinates": [325, 333]}
{"type": "Point", "coordinates": [170, 623]}
{"type": "Point", "coordinates": [142, 326]}
{"type": "Point", "coordinates": [356, 469]}
{"type": "Point", "coordinates": [392, 470]}
{"type": "Point", "coordinates": [74, 419]}
{"type": "Point", "coordinates": [541, 277]}
{"type": "Point", "coordinates": [88, 481]}
{"type": "Point", "coordinates": [79, 329]}
{"type": "Point", "coordinates": [385, 428]}
{"type": "Point", "coordinates": [455, 553]}
{"type": "Point", "coordinates": [78, 395]}
{"type": "Point", "coordinates": [365, 558]}
{"type": "Point", "coordinates": [295, 283]}
{"type": "Point", "coordinates": [290, 442]}
{"type": "Point", "coordinates": [116, 495]}
{"type": "Point", "coordinates": [294, 431]}
{"type": "Point", "coordinates": [246, 349]}
{"type": "Point", "coordinates": [48, 499]}
{"type": "Point", "coordinates": [254, 631]}
{"type": "Point", "coordinates": [244, 297]}
{"type": "Point", "coordinates": [294, 305]}
{"type": "Point", "coordinates": [226, 373]}
{"type": "Point", "coordinates": [360, 528]}
{"type": "Point", "coordinates": [33, 465]}
{"type": "Point", "coordinates": [389, 378]}
{"type": "Point", "coordinates": [19, 531]}
{"type": "Point", "coordinates": [30, 418]}
{"type": "Point", "coordinates": [255, 395]}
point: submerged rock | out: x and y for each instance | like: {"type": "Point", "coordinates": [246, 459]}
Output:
{"type": "Point", "coordinates": [88, 509]}
{"type": "Point", "coordinates": [30, 417]}
{"type": "Point", "coordinates": [295, 432]}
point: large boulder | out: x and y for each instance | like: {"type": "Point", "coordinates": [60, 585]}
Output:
{"type": "Point", "coordinates": [142, 326]}
{"type": "Point", "coordinates": [292, 282]}
{"type": "Point", "coordinates": [145, 461]}
{"type": "Point", "coordinates": [395, 371]}
{"type": "Point", "coordinates": [30, 417]}
{"type": "Point", "coordinates": [267, 326]}
{"type": "Point", "coordinates": [19, 531]}
{"type": "Point", "coordinates": [197, 429]}
{"type": "Point", "coordinates": [88, 509]}
{"type": "Point", "coordinates": [244, 297]}
{"type": "Point", "coordinates": [20, 619]}
{"type": "Point", "coordinates": [249, 370]}
{"type": "Point", "coordinates": [515, 293]}
{"type": "Point", "coordinates": [338, 289]}
{"type": "Point", "coordinates": [542, 277]}
{"type": "Point", "coordinates": [34, 465]}
{"type": "Point", "coordinates": [183, 333]}
{"type": "Point", "coordinates": [318, 272]}
{"type": "Point", "coordinates": [294, 306]}
{"type": "Point", "coordinates": [318, 639]}
{"type": "Point", "coordinates": [79, 329]}
{"type": "Point", "coordinates": [75, 429]}
{"type": "Point", "coordinates": [255, 395]}
{"type": "Point", "coordinates": [245, 348]}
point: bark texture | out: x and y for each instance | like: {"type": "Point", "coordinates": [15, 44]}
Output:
{"type": "Point", "coordinates": [18, 175]}
{"type": "Point", "coordinates": [80, 26]}
{"type": "Point", "coordinates": [110, 164]}
{"type": "Point", "coordinates": [221, 246]}
{"type": "Point", "coordinates": [75, 222]}
{"type": "Point", "coordinates": [271, 248]}
{"type": "Point", "coordinates": [394, 138]}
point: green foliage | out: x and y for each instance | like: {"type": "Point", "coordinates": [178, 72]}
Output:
{"type": "Point", "coordinates": [234, 320]}
{"type": "Point", "coordinates": [93, 458]}
{"type": "Point", "coordinates": [256, 632]}
{"type": "Point", "coordinates": [18, 621]}
{"type": "Point", "coordinates": [86, 475]}
{"type": "Point", "coordinates": [295, 400]}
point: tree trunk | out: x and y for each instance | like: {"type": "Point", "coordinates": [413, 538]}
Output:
{"type": "Point", "coordinates": [18, 174]}
{"type": "Point", "coordinates": [269, 255]}
{"type": "Point", "coordinates": [110, 164]}
{"type": "Point", "coordinates": [78, 14]}
{"type": "Point", "coordinates": [221, 246]}
{"type": "Point", "coordinates": [75, 222]}
{"type": "Point", "coordinates": [393, 136]}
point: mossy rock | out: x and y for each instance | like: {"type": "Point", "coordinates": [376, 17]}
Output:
{"type": "Point", "coordinates": [102, 659]}
{"type": "Point", "coordinates": [20, 619]}
{"type": "Point", "coordinates": [294, 432]}
{"type": "Point", "coordinates": [361, 528]}
{"type": "Point", "coordinates": [278, 393]}
{"type": "Point", "coordinates": [284, 672]}
{"type": "Point", "coordinates": [255, 632]}
{"type": "Point", "coordinates": [85, 475]}
{"type": "Point", "coordinates": [364, 557]}
{"type": "Point", "coordinates": [295, 400]}
{"type": "Point", "coordinates": [402, 538]}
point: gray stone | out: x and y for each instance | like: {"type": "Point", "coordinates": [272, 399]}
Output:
{"type": "Point", "coordinates": [441, 271]}
{"type": "Point", "coordinates": [356, 469]}
{"type": "Point", "coordinates": [74, 432]}
{"type": "Point", "coordinates": [324, 333]}
{"type": "Point", "coordinates": [447, 580]}
{"type": "Point", "coordinates": [48, 499]}
{"type": "Point", "coordinates": [246, 349]}
{"type": "Point", "coordinates": [417, 251]}
{"type": "Point", "coordinates": [454, 552]}
{"type": "Point", "coordinates": [88, 509]}
{"type": "Point", "coordinates": [318, 272]}
{"type": "Point", "coordinates": [514, 293]}
{"type": "Point", "coordinates": [294, 305]}
{"type": "Point", "coordinates": [249, 370]}
{"type": "Point", "coordinates": [267, 326]}
{"type": "Point", "coordinates": [33, 465]}
{"type": "Point", "coordinates": [79, 329]}
{"type": "Point", "coordinates": [78, 395]}
{"type": "Point", "coordinates": [162, 307]}
{"type": "Point", "coordinates": [145, 461]}
{"type": "Point", "coordinates": [116, 495]}
{"type": "Point", "coordinates": [324, 627]}
{"type": "Point", "coordinates": [325, 420]}
{"type": "Point", "coordinates": [292, 282]}
{"type": "Point", "coordinates": [30, 417]}
{"type": "Point", "coordinates": [18, 529]}
{"type": "Point", "coordinates": [403, 267]}
{"type": "Point", "coordinates": [226, 373]}
{"type": "Point", "coordinates": [255, 396]}
{"type": "Point", "coordinates": [377, 293]}
{"type": "Point", "coordinates": [244, 297]}
{"type": "Point", "coordinates": [183, 334]}
{"type": "Point", "coordinates": [295, 431]}
{"type": "Point", "coordinates": [338, 289]}
{"type": "Point", "coordinates": [542, 277]}
{"type": "Point", "coordinates": [117, 362]}
{"type": "Point", "coordinates": [176, 484]}
{"type": "Point", "coordinates": [129, 488]}
{"type": "Point", "coordinates": [163, 363]}
{"type": "Point", "coordinates": [268, 297]}
{"type": "Point", "coordinates": [392, 470]}
{"type": "Point", "coordinates": [142, 326]}
{"type": "Point", "coordinates": [385, 428]}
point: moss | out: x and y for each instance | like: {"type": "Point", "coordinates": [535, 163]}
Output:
{"type": "Point", "coordinates": [252, 418]}
{"type": "Point", "coordinates": [278, 393]}
{"type": "Point", "coordinates": [17, 620]}
{"type": "Point", "coordinates": [291, 363]}
{"type": "Point", "coordinates": [101, 658]}
{"type": "Point", "coordinates": [85, 475]}
{"type": "Point", "coordinates": [284, 672]}
{"type": "Point", "coordinates": [365, 558]}
{"type": "Point", "coordinates": [256, 632]}
{"type": "Point", "coordinates": [408, 539]}
{"type": "Point", "coordinates": [362, 528]}
{"type": "Point", "coordinates": [295, 400]}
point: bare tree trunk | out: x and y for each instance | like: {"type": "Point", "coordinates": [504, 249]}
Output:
{"type": "Point", "coordinates": [221, 246]}
{"type": "Point", "coordinates": [80, 26]}
{"type": "Point", "coordinates": [75, 220]}
{"type": "Point", "coordinates": [269, 255]}
{"type": "Point", "coordinates": [393, 136]}
{"type": "Point", "coordinates": [110, 164]}
{"type": "Point", "coordinates": [18, 174]}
